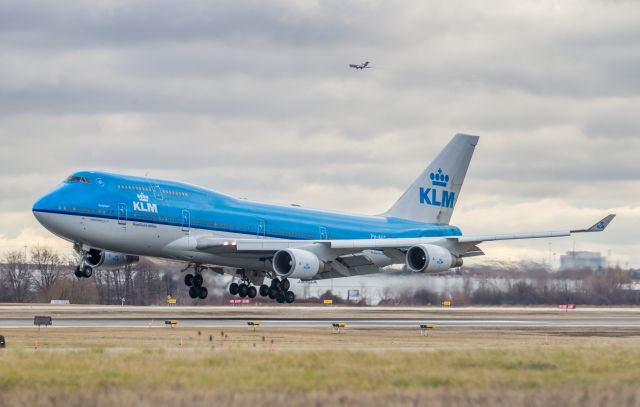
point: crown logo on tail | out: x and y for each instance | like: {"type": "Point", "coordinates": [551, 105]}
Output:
{"type": "Point", "coordinates": [439, 178]}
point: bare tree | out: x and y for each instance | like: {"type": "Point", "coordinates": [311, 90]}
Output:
{"type": "Point", "coordinates": [48, 268]}
{"type": "Point", "coordinates": [17, 275]}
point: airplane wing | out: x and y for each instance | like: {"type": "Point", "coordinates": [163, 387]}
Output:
{"type": "Point", "coordinates": [338, 251]}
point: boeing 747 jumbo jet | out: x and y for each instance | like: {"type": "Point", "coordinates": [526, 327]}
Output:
{"type": "Point", "coordinates": [112, 219]}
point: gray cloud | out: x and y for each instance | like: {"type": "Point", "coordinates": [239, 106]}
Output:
{"type": "Point", "coordinates": [256, 99]}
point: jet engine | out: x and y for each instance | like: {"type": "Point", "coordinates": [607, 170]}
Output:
{"type": "Point", "coordinates": [430, 258]}
{"type": "Point", "coordinates": [296, 263]}
{"type": "Point", "coordinates": [108, 260]}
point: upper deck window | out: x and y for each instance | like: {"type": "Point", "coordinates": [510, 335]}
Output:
{"type": "Point", "coordinates": [75, 178]}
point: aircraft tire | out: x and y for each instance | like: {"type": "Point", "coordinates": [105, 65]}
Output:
{"type": "Point", "coordinates": [289, 297]}
{"type": "Point", "coordinates": [275, 283]}
{"type": "Point", "coordinates": [198, 280]}
{"type": "Point", "coordinates": [233, 288]}
{"type": "Point", "coordinates": [188, 280]}
{"type": "Point", "coordinates": [87, 271]}
{"type": "Point", "coordinates": [285, 284]}
{"type": "Point", "coordinates": [280, 298]}
{"type": "Point", "coordinates": [273, 293]}
{"type": "Point", "coordinates": [243, 290]}
{"type": "Point", "coordinates": [78, 273]}
{"type": "Point", "coordinates": [203, 293]}
{"type": "Point", "coordinates": [264, 290]}
{"type": "Point", "coordinates": [252, 292]}
{"type": "Point", "coordinates": [193, 292]}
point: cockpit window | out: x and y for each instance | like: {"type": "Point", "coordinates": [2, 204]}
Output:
{"type": "Point", "coordinates": [75, 178]}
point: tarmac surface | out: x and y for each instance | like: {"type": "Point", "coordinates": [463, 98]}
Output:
{"type": "Point", "coordinates": [75, 316]}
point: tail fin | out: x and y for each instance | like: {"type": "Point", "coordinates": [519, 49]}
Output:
{"type": "Point", "coordinates": [432, 197]}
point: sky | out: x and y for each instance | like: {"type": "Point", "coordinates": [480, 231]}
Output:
{"type": "Point", "coordinates": [255, 99]}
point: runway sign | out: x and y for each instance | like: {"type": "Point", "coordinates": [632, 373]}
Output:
{"type": "Point", "coordinates": [236, 301]}
{"type": "Point", "coordinates": [42, 320]}
{"type": "Point", "coordinates": [328, 302]}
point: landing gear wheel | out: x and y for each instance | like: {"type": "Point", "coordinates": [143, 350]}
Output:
{"type": "Point", "coordinates": [87, 271]}
{"type": "Point", "coordinates": [78, 273]}
{"type": "Point", "coordinates": [280, 297]}
{"type": "Point", "coordinates": [233, 289]}
{"type": "Point", "coordinates": [273, 293]}
{"type": "Point", "coordinates": [275, 283]}
{"type": "Point", "coordinates": [197, 280]}
{"type": "Point", "coordinates": [264, 290]}
{"type": "Point", "coordinates": [188, 280]}
{"type": "Point", "coordinates": [203, 293]}
{"type": "Point", "coordinates": [285, 285]}
{"type": "Point", "coordinates": [243, 290]}
{"type": "Point", "coordinates": [252, 292]}
{"type": "Point", "coordinates": [289, 297]}
{"type": "Point", "coordinates": [194, 292]}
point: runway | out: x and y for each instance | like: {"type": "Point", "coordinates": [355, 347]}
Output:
{"type": "Point", "coordinates": [316, 317]}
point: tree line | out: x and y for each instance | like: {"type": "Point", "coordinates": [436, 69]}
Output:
{"type": "Point", "coordinates": [42, 275]}
{"type": "Point", "coordinates": [537, 286]}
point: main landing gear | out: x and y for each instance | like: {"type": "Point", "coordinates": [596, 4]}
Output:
{"type": "Point", "coordinates": [278, 290]}
{"type": "Point", "coordinates": [194, 282]}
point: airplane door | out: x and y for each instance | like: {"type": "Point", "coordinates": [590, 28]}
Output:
{"type": "Point", "coordinates": [186, 220]}
{"type": "Point", "coordinates": [261, 229]}
{"type": "Point", "coordinates": [323, 233]}
{"type": "Point", "coordinates": [122, 214]}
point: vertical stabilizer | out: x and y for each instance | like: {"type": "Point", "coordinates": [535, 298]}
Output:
{"type": "Point", "coordinates": [433, 196]}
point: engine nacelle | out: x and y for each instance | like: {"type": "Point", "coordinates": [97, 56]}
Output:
{"type": "Point", "coordinates": [430, 258]}
{"type": "Point", "coordinates": [296, 263]}
{"type": "Point", "coordinates": [108, 260]}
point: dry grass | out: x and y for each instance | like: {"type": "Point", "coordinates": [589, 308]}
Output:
{"type": "Point", "coordinates": [168, 396]}
{"type": "Point", "coordinates": [100, 367]}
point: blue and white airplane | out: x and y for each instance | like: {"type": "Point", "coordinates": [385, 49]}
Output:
{"type": "Point", "coordinates": [112, 219]}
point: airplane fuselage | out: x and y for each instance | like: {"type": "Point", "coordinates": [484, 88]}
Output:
{"type": "Point", "coordinates": [159, 218]}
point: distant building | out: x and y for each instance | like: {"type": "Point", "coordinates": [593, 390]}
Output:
{"type": "Point", "coordinates": [582, 260]}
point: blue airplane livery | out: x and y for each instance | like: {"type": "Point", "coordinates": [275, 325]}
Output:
{"type": "Point", "coordinates": [114, 219]}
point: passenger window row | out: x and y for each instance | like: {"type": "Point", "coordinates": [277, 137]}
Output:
{"type": "Point", "coordinates": [88, 211]}
{"type": "Point", "coordinates": [135, 188]}
{"type": "Point", "coordinates": [149, 189]}
{"type": "Point", "coordinates": [175, 193]}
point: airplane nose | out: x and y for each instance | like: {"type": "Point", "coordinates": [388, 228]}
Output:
{"type": "Point", "coordinates": [44, 209]}
{"type": "Point", "coordinates": [42, 204]}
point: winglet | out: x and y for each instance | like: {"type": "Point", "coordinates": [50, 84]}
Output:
{"type": "Point", "coordinates": [599, 226]}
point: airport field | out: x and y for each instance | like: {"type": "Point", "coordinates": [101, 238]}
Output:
{"type": "Point", "coordinates": [492, 364]}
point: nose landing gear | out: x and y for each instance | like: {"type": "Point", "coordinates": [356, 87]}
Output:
{"type": "Point", "coordinates": [83, 271]}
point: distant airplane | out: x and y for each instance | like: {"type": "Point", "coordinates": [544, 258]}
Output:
{"type": "Point", "coordinates": [360, 66]}
{"type": "Point", "coordinates": [112, 219]}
